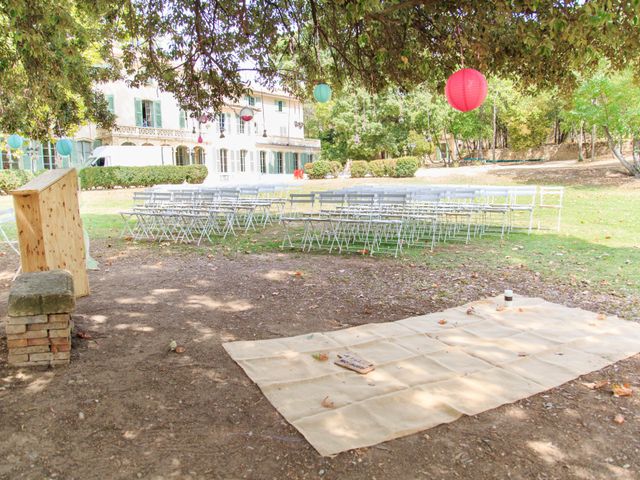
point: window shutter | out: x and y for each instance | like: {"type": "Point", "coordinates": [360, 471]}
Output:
{"type": "Point", "coordinates": [138, 110]}
{"type": "Point", "coordinates": [271, 162]}
{"type": "Point", "coordinates": [157, 114]}
{"type": "Point", "coordinates": [183, 119]}
{"type": "Point", "coordinates": [111, 103]}
{"type": "Point", "coordinates": [216, 160]}
{"type": "Point", "coordinates": [251, 166]}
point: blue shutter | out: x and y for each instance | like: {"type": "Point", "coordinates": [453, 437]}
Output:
{"type": "Point", "coordinates": [157, 114]}
{"type": "Point", "coordinates": [111, 103]}
{"type": "Point", "coordinates": [138, 110]}
{"type": "Point", "coordinates": [183, 119]}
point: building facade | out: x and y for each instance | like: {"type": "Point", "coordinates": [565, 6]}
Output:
{"type": "Point", "coordinates": [272, 142]}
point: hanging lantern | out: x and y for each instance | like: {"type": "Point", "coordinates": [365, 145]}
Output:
{"type": "Point", "coordinates": [322, 93]}
{"type": "Point", "coordinates": [203, 119]}
{"type": "Point", "coordinates": [199, 138]}
{"type": "Point", "coordinates": [64, 147]}
{"type": "Point", "coordinates": [466, 89]}
{"type": "Point", "coordinates": [246, 114]}
{"type": "Point", "coordinates": [15, 141]}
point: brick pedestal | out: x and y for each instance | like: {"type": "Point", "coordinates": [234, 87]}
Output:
{"type": "Point", "coordinates": [39, 324]}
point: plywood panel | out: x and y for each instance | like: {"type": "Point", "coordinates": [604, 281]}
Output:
{"type": "Point", "coordinates": [50, 228]}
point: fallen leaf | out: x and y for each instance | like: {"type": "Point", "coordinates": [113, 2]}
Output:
{"type": "Point", "coordinates": [84, 335]}
{"type": "Point", "coordinates": [326, 403]}
{"type": "Point", "coordinates": [619, 390]}
{"type": "Point", "coordinates": [321, 357]}
{"type": "Point", "coordinates": [602, 316]}
{"type": "Point", "coordinates": [180, 349]}
{"type": "Point", "coordinates": [470, 310]}
{"type": "Point", "coordinates": [596, 385]}
{"type": "Point", "coordinates": [521, 309]}
{"type": "Point", "coordinates": [522, 354]}
{"type": "Point", "coordinates": [442, 322]}
{"type": "Point", "coordinates": [619, 419]}
{"type": "Point", "coordinates": [298, 274]}
{"type": "Point", "coordinates": [173, 345]}
{"type": "Point", "coordinates": [499, 308]}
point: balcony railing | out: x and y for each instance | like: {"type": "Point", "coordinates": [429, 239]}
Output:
{"type": "Point", "coordinates": [151, 132]}
{"type": "Point", "coordinates": [289, 141]}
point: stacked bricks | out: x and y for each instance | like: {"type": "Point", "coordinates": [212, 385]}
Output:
{"type": "Point", "coordinates": [39, 324]}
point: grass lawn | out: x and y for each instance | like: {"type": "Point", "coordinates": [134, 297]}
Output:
{"type": "Point", "coordinates": [598, 246]}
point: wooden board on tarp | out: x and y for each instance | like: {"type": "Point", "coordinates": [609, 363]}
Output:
{"type": "Point", "coordinates": [49, 226]}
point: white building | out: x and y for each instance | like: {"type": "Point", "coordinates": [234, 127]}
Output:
{"type": "Point", "coordinates": [271, 143]}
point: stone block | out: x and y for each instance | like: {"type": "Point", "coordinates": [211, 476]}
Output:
{"type": "Point", "coordinates": [17, 358]}
{"type": "Point", "coordinates": [63, 332]}
{"type": "Point", "coordinates": [59, 317]}
{"type": "Point", "coordinates": [36, 293]}
{"type": "Point", "coordinates": [37, 357]}
{"type": "Point", "coordinates": [13, 329]}
{"type": "Point", "coordinates": [64, 347]}
{"type": "Point", "coordinates": [60, 341]}
{"type": "Point", "coordinates": [61, 356]}
{"type": "Point", "coordinates": [26, 320]}
{"type": "Point", "coordinates": [21, 342]}
{"type": "Point", "coordinates": [37, 341]}
{"type": "Point", "coordinates": [34, 349]}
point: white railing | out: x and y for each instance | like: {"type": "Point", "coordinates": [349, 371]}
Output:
{"type": "Point", "coordinates": [151, 132]}
{"type": "Point", "coordinates": [289, 141]}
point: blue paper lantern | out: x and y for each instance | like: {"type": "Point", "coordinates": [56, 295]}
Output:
{"type": "Point", "coordinates": [322, 92]}
{"type": "Point", "coordinates": [64, 147]}
{"type": "Point", "coordinates": [14, 141]}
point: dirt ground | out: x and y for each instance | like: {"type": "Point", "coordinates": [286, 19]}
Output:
{"type": "Point", "coordinates": [126, 408]}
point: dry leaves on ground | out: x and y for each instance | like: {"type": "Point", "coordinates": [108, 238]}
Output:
{"type": "Point", "coordinates": [621, 390]}
{"type": "Point", "coordinates": [326, 403]}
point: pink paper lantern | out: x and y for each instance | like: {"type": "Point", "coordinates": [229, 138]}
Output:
{"type": "Point", "coordinates": [466, 89]}
{"type": "Point", "coordinates": [246, 114]}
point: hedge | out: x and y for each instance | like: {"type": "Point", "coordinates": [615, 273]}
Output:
{"type": "Point", "coordinates": [12, 179]}
{"type": "Point", "coordinates": [359, 168]}
{"type": "Point", "coordinates": [318, 170]}
{"type": "Point", "coordinates": [110, 177]}
{"type": "Point", "coordinates": [406, 166]}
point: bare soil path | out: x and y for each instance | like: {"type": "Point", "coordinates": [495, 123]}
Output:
{"type": "Point", "coordinates": [126, 408]}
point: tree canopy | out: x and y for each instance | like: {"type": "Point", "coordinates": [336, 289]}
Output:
{"type": "Point", "coordinates": [52, 51]}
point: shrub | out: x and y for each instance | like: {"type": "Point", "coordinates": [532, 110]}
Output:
{"type": "Point", "coordinates": [319, 169]}
{"type": "Point", "coordinates": [336, 168]}
{"type": "Point", "coordinates": [110, 177]}
{"type": "Point", "coordinates": [390, 167]}
{"type": "Point", "coordinates": [406, 166]}
{"type": "Point", "coordinates": [12, 179]}
{"type": "Point", "coordinates": [308, 168]}
{"type": "Point", "coordinates": [359, 168]}
{"type": "Point", "coordinates": [377, 168]}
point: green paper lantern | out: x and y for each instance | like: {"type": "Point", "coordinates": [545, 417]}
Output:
{"type": "Point", "coordinates": [64, 147]}
{"type": "Point", "coordinates": [322, 93]}
{"type": "Point", "coordinates": [15, 141]}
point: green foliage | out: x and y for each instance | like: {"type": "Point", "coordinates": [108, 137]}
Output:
{"type": "Point", "coordinates": [406, 166]}
{"type": "Point", "coordinates": [12, 179]}
{"type": "Point", "coordinates": [318, 170]}
{"type": "Point", "coordinates": [359, 168]}
{"type": "Point", "coordinates": [336, 167]}
{"type": "Point", "coordinates": [377, 168]}
{"type": "Point", "coordinates": [111, 177]}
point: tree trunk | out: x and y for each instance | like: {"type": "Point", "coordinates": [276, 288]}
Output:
{"type": "Point", "coordinates": [632, 168]}
{"type": "Point", "coordinates": [495, 133]}
{"type": "Point", "coordinates": [593, 143]}
{"type": "Point", "coordinates": [580, 140]}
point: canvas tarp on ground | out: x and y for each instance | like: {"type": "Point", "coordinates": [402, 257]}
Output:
{"type": "Point", "coordinates": [430, 369]}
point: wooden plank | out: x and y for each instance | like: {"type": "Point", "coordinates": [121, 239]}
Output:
{"type": "Point", "coordinates": [42, 181]}
{"type": "Point", "coordinates": [50, 228]}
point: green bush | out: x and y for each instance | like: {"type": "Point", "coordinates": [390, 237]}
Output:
{"type": "Point", "coordinates": [318, 170]}
{"type": "Point", "coordinates": [12, 179]}
{"type": "Point", "coordinates": [390, 167]}
{"type": "Point", "coordinates": [377, 168]}
{"type": "Point", "coordinates": [359, 168]}
{"type": "Point", "coordinates": [336, 168]}
{"type": "Point", "coordinates": [110, 177]}
{"type": "Point", "coordinates": [406, 166]}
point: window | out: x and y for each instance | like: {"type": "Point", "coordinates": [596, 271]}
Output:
{"type": "Point", "coordinates": [182, 155]}
{"type": "Point", "coordinates": [279, 162]}
{"type": "Point", "coordinates": [198, 156]}
{"type": "Point", "coordinates": [221, 122]}
{"type": "Point", "coordinates": [111, 105]}
{"type": "Point", "coordinates": [84, 150]}
{"type": "Point", "coordinates": [263, 161]}
{"type": "Point", "coordinates": [148, 113]}
{"type": "Point", "coordinates": [224, 165]}
{"type": "Point", "coordinates": [243, 160]}
{"type": "Point", "coordinates": [280, 105]}
{"type": "Point", "coordinates": [283, 131]}
{"type": "Point", "coordinates": [251, 101]}
{"type": "Point", "coordinates": [241, 124]}
{"type": "Point", "coordinates": [296, 161]}
{"type": "Point", "coordinates": [183, 119]}
{"type": "Point", "coordinates": [310, 157]}
{"type": "Point", "coordinates": [48, 156]}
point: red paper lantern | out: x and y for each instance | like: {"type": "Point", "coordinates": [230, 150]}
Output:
{"type": "Point", "coordinates": [246, 114]}
{"type": "Point", "coordinates": [466, 89]}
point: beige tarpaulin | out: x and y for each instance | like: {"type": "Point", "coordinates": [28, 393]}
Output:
{"type": "Point", "coordinates": [430, 369]}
